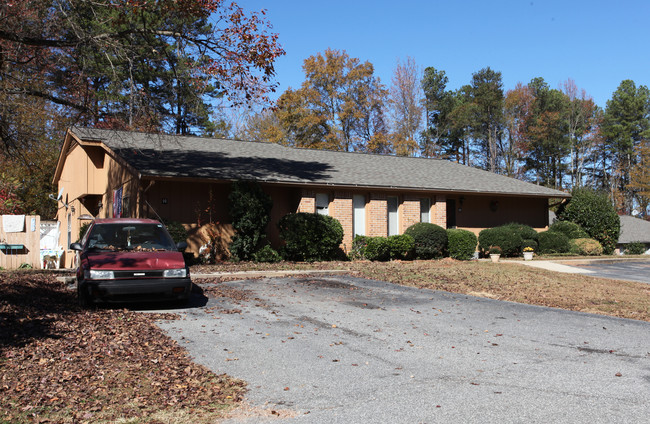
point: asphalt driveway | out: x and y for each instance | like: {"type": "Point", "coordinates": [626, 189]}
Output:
{"type": "Point", "coordinates": [346, 350]}
{"type": "Point", "coordinates": [629, 270]}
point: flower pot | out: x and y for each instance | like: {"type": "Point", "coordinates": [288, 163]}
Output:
{"type": "Point", "coordinates": [528, 256]}
{"type": "Point", "coordinates": [495, 257]}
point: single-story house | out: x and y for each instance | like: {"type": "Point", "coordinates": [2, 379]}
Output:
{"type": "Point", "coordinates": [107, 173]}
{"type": "Point", "coordinates": [633, 229]}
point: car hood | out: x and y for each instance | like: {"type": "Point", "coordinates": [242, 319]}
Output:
{"type": "Point", "coordinates": [135, 260]}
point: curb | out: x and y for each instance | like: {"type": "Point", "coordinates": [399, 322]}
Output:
{"type": "Point", "coordinates": [256, 274]}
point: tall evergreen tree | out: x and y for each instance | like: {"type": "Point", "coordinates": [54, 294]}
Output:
{"type": "Point", "coordinates": [626, 124]}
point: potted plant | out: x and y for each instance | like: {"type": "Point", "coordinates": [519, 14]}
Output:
{"type": "Point", "coordinates": [495, 253]}
{"type": "Point", "coordinates": [528, 253]}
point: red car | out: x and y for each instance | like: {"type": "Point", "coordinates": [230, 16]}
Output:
{"type": "Point", "coordinates": [124, 259]}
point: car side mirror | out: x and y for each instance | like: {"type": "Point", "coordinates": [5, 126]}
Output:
{"type": "Point", "coordinates": [76, 246]}
{"type": "Point", "coordinates": [181, 246]}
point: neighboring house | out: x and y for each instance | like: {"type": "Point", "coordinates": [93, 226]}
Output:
{"type": "Point", "coordinates": [106, 173]}
{"type": "Point", "coordinates": [633, 229]}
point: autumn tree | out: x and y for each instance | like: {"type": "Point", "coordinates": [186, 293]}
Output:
{"type": "Point", "coordinates": [517, 111]}
{"type": "Point", "coordinates": [406, 107]}
{"type": "Point", "coordinates": [626, 124]}
{"type": "Point", "coordinates": [133, 64]}
{"type": "Point", "coordinates": [339, 106]}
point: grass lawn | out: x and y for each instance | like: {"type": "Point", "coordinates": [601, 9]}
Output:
{"type": "Point", "coordinates": [59, 363]}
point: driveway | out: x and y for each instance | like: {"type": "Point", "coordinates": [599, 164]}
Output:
{"type": "Point", "coordinates": [629, 270]}
{"type": "Point", "coordinates": [337, 349]}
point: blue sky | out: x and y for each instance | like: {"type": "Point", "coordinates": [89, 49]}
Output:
{"type": "Point", "coordinates": [596, 43]}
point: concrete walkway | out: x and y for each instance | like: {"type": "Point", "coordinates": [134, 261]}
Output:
{"type": "Point", "coordinates": [554, 266]}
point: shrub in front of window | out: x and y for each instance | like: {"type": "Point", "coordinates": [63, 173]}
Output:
{"type": "Point", "coordinates": [594, 212]}
{"type": "Point", "coordinates": [430, 240]}
{"type": "Point", "coordinates": [635, 248]}
{"type": "Point", "coordinates": [358, 251]}
{"type": "Point", "coordinates": [310, 237]}
{"type": "Point", "coordinates": [401, 246]}
{"type": "Point", "coordinates": [570, 229]}
{"type": "Point", "coordinates": [551, 242]}
{"type": "Point", "coordinates": [377, 249]}
{"type": "Point", "coordinates": [586, 247]}
{"type": "Point", "coordinates": [249, 212]}
{"type": "Point", "coordinates": [461, 244]}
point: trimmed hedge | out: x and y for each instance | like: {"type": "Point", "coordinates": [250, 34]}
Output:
{"type": "Point", "coordinates": [401, 246]}
{"type": "Point", "coordinates": [310, 237]}
{"type": "Point", "coordinates": [553, 242]}
{"type": "Point", "coordinates": [510, 238]}
{"type": "Point", "coordinates": [570, 229]}
{"type": "Point", "coordinates": [430, 240]}
{"type": "Point", "coordinates": [595, 214]}
{"type": "Point", "coordinates": [377, 249]}
{"type": "Point", "coordinates": [267, 254]}
{"type": "Point", "coordinates": [461, 244]}
{"type": "Point", "coordinates": [586, 247]}
{"type": "Point", "coordinates": [382, 248]}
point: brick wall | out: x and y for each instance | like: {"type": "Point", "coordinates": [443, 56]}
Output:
{"type": "Point", "coordinates": [439, 211]}
{"type": "Point", "coordinates": [341, 209]}
{"type": "Point", "coordinates": [409, 213]}
{"type": "Point", "coordinates": [307, 202]}
{"type": "Point", "coordinates": [377, 213]}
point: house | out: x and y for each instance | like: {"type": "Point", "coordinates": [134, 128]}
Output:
{"type": "Point", "coordinates": [106, 173]}
{"type": "Point", "coordinates": [633, 229]}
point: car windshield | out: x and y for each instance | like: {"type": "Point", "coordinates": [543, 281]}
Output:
{"type": "Point", "coordinates": [129, 236]}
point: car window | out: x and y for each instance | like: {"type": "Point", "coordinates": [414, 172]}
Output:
{"type": "Point", "coordinates": [129, 236]}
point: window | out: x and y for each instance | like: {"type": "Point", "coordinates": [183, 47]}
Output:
{"type": "Point", "coordinates": [69, 229]}
{"type": "Point", "coordinates": [393, 219]}
{"type": "Point", "coordinates": [322, 204]}
{"type": "Point", "coordinates": [359, 218]}
{"type": "Point", "coordinates": [425, 210]}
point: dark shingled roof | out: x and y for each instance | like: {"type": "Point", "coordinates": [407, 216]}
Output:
{"type": "Point", "coordinates": [186, 156]}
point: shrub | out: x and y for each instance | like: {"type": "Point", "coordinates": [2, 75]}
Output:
{"type": "Point", "coordinates": [553, 242]}
{"type": "Point", "coordinates": [249, 211]}
{"type": "Point", "coordinates": [176, 230]}
{"type": "Point", "coordinates": [526, 232]}
{"type": "Point", "coordinates": [506, 238]}
{"type": "Point", "coordinates": [377, 249]}
{"type": "Point", "coordinates": [310, 237]}
{"type": "Point", "coordinates": [529, 243]}
{"type": "Point", "coordinates": [635, 248]}
{"type": "Point", "coordinates": [430, 240]}
{"type": "Point", "coordinates": [586, 247]}
{"type": "Point", "coordinates": [461, 244]}
{"type": "Point", "coordinates": [267, 254]}
{"type": "Point", "coordinates": [495, 250]}
{"type": "Point", "coordinates": [569, 229]}
{"type": "Point", "coordinates": [595, 214]}
{"type": "Point", "coordinates": [358, 250]}
{"type": "Point", "coordinates": [82, 230]}
{"type": "Point", "coordinates": [401, 246]}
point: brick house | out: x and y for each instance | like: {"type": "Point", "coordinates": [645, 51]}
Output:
{"type": "Point", "coordinates": [105, 173]}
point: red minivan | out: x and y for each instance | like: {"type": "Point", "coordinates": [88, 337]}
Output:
{"type": "Point", "coordinates": [127, 259]}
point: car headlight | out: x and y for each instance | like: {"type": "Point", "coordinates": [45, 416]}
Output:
{"type": "Point", "coordinates": [175, 273]}
{"type": "Point", "coordinates": [96, 274]}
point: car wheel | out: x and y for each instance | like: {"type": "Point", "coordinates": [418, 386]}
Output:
{"type": "Point", "coordinates": [82, 295]}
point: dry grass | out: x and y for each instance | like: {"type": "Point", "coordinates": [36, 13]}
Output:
{"type": "Point", "coordinates": [503, 281]}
